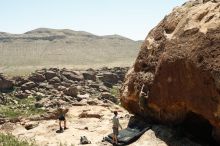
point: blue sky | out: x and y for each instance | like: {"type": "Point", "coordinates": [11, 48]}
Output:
{"type": "Point", "coordinates": [130, 18]}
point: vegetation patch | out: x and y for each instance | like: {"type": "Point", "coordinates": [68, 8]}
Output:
{"type": "Point", "coordinates": [115, 91]}
{"type": "Point", "coordinates": [10, 140]}
{"type": "Point", "coordinates": [23, 108]}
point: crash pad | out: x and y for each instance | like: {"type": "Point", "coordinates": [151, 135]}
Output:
{"type": "Point", "coordinates": [134, 130]}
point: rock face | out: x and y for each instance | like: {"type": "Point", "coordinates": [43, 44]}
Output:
{"type": "Point", "coordinates": [177, 71]}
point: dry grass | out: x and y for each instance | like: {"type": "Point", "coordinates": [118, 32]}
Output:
{"type": "Point", "coordinates": [27, 52]}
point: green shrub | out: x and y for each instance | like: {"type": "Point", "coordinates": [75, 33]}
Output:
{"type": "Point", "coordinates": [24, 108]}
{"type": "Point", "coordinates": [115, 91]}
{"type": "Point", "coordinates": [10, 140]}
{"type": "Point", "coordinates": [9, 112]}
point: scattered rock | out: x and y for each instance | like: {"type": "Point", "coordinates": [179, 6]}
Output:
{"type": "Point", "coordinates": [103, 88]}
{"type": "Point", "coordinates": [89, 115]}
{"type": "Point", "coordinates": [28, 86]}
{"type": "Point", "coordinates": [54, 80]}
{"type": "Point", "coordinates": [31, 125]}
{"type": "Point", "coordinates": [92, 102]}
{"type": "Point", "coordinates": [18, 81]}
{"type": "Point", "coordinates": [108, 96]}
{"type": "Point", "coordinates": [36, 77]}
{"type": "Point", "coordinates": [21, 95]}
{"type": "Point", "coordinates": [61, 88]}
{"type": "Point", "coordinates": [74, 76]}
{"type": "Point", "coordinates": [15, 120]}
{"type": "Point", "coordinates": [84, 140]}
{"type": "Point", "coordinates": [2, 121]}
{"type": "Point", "coordinates": [71, 91]}
{"type": "Point", "coordinates": [89, 75]}
{"type": "Point", "coordinates": [45, 86]}
{"type": "Point", "coordinates": [84, 96]}
{"type": "Point", "coordinates": [39, 104]}
{"type": "Point", "coordinates": [109, 78]}
{"type": "Point", "coordinates": [50, 74]}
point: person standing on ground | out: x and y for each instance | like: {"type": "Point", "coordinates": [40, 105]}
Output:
{"type": "Point", "coordinates": [61, 116]}
{"type": "Point", "coordinates": [115, 127]}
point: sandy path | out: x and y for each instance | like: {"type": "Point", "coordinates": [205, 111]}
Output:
{"type": "Point", "coordinates": [45, 133]}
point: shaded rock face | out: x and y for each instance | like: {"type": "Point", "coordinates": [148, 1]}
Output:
{"type": "Point", "coordinates": [5, 84]}
{"type": "Point", "coordinates": [177, 71]}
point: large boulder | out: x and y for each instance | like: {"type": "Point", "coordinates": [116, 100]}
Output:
{"type": "Point", "coordinates": [120, 71]}
{"type": "Point", "coordinates": [109, 78]}
{"type": "Point", "coordinates": [28, 86]}
{"type": "Point", "coordinates": [89, 75]}
{"type": "Point", "coordinates": [177, 71]}
{"type": "Point", "coordinates": [37, 77]}
{"type": "Point", "coordinates": [108, 96]}
{"type": "Point", "coordinates": [54, 80]}
{"type": "Point", "coordinates": [50, 74]}
{"type": "Point", "coordinates": [18, 80]}
{"type": "Point", "coordinates": [73, 75]}
{"type": "Point", "coordinates": [71, 91]}
{"type": "Point", "coordinates": [5, 83]}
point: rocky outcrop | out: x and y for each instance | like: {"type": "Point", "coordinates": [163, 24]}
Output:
{"type": "Point", "coordinates": [177, 71]}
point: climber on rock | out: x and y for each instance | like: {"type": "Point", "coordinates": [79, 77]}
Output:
{"type": "Point", "coordinates": [142, 98]}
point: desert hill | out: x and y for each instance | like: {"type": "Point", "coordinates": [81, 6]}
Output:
{"type": "Point", "coordinates": [44, 47]}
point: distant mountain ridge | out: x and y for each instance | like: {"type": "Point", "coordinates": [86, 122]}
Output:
{"type": "Point", "coordinates": [45, 47]}
{"type": "Point", "coordinates": [43, 32]}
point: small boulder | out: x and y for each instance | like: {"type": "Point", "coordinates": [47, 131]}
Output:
{"type": "Point", "coordinates": [74, 76]}
{"type": "Point", "coordinates": [84, 140]}
{"type": "Point", "coordinates": [2, 121]}
{"type": "Point", "coordinates": [21, 95]}
{"type": "Point", "coordinates": [103, 88]}
{"type": "Point", "coordinates": [109, 78]}
{"type": "Point", "coordinates": [54, 80]}
{"type": "Point", "coordinates": [50, 74]}
{"type": "Point", "coordinates": [45, 86]}
{"type": "Point", "coordinates": [36, 77]}
{"type": "Point", "coordinates": [28, 86]}
{"type": "Point", "coordinates": [31, 125]}
{"type": "Point", "coordinates": [38, 104]}
{"type": "Point", "coordinates": [89, 75]}
{"type": "Point", "coordinates": [90, 115]}
{"type": "Point", "coordinates": [108, 96]}
{"type": "Point", "coordinates": [71, 91]}
{"type": "Point", "coordinates": [84, 96]}
{"type": "Point", "coordinates": [61, 88]}
{"type": "Point", "coordinates": [94, 85]}
{"type": "Point", "coordinates": [18, 80]}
